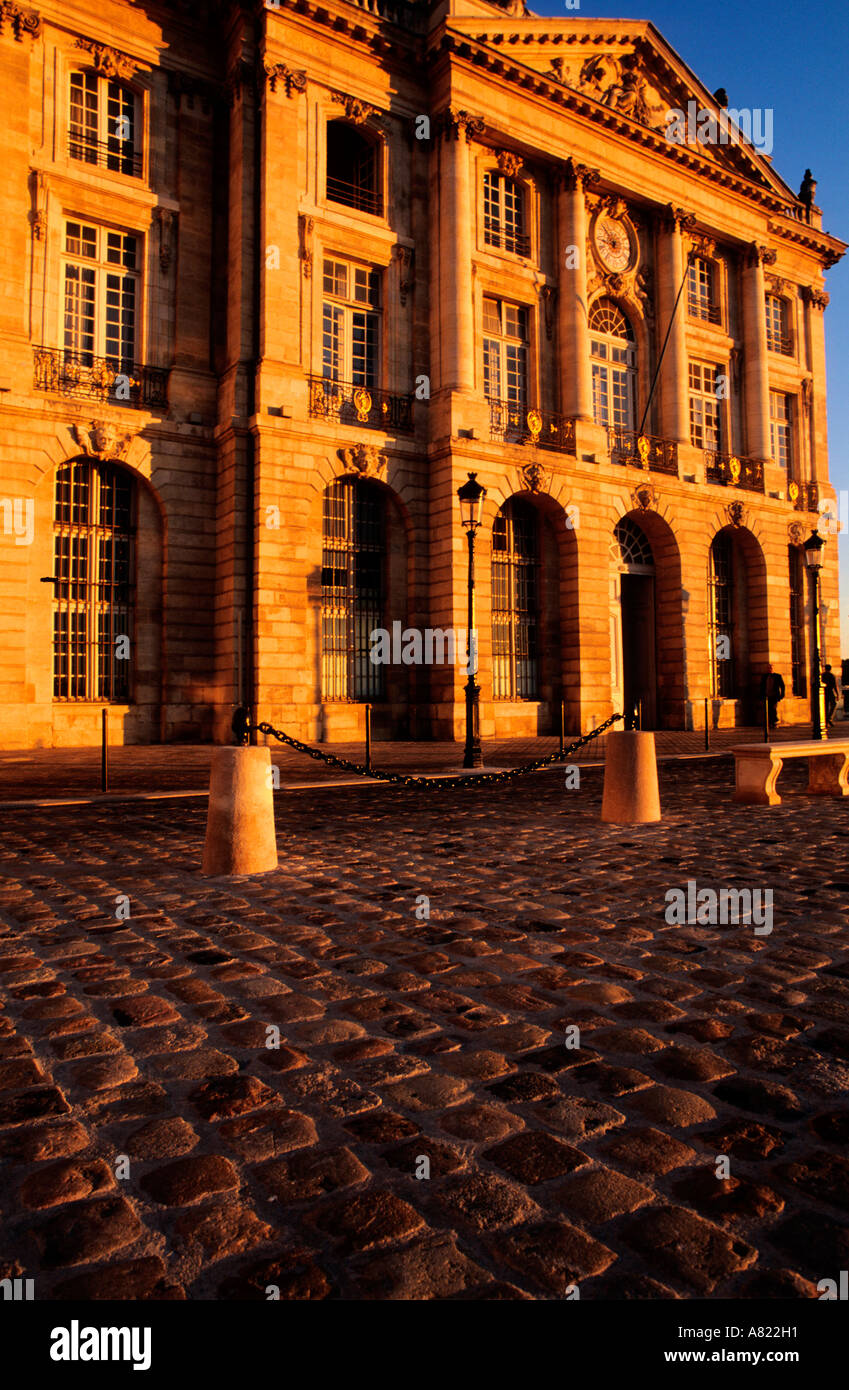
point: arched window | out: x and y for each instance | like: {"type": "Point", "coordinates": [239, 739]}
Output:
{"type": "Point", "coordinates": [504, 214]}
{"type": "Point", "coordinates": [353, 589]}
{"type": "Point", "coordinates": [632, 548]}
{"type": "Point", "coordinates": [722, 578]}
{"type": "Point", "coordinates": [94, 523]}
{"type": "Point", "coordinates": [614, 358]}
{"type": "Point", "coordinates": [515, 603]}
{"type": "Point", "coordinates": [353, 168]}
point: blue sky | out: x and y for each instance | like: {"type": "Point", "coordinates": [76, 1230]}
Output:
{"type": "Point", "coordinates": [793, 58]}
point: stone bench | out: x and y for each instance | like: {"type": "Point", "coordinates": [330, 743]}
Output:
{"type": "Point", "coordinates": [757, 765]}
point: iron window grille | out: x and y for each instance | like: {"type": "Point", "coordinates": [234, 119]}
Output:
{"type": "Point", "coordinates": [515, 603]}
{"type": "Point", "coordinates": [796, 564]}
{"type": "Point", "coordinates": [353, 597]}
{"type": "Point", "coordinates": [94, 531]}
{"type": "Point", "coordinates": [721, 609]}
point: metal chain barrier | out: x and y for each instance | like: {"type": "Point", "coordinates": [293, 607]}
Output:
{"type": "Point", "coordinates": [403, 780]}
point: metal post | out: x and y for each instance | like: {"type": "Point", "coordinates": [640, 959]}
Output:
{"type": "Point", "coordinates": [639, 714]}
{"type": "Point", "coordinates": [368, 737]}
{"type": "Point", "coordinates": [104, 752]}
{"type": "Point", "coordinates": [562, 723]}
{"type": "Point", "coordinates": [816, 674]}
{"type": "Point", "coordinates": [707, 723]}
{"type": "Point", "coordinates": [766, 721]}
{"type": "Point", "coordinates": [473, 755]}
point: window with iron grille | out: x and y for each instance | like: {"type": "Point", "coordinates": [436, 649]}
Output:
{"type": "Point", "coordinates": [100, 276]}
{"type": "Point", "coordinates": [353, 598]}
{"type": "Point", "coordinates": [103, 123]}
{"type": "Point", "coordinates": [705, 427]}
{"type": "Point", "coordinates": [94, 527]}
{"type": "Point", "coordinates": [796, 564]}
{"type": "Point", "coordinates": [504, 220]}
{"type": "Point", "coordinates": [353, 169]}
{"type": "Point", "coordinates": [777, 324]}
{"type": "Point", "coordinates": [780, 428]}
{"type": "Point", "coordinates": [701, 290]}
{"type": "Point", "coordinates": [350, 323]}
{"type": "Point", "coordinates": [505, 352]}
{"type": "Point", "coordinates": [614, 360]}
{"type": "Point", "coordinates": [721, 609]}
{"type": "Point", "coordinates": [515, 603]}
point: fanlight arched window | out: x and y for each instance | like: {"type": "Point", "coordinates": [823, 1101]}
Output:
{"type": "Point", "coordinates": [353, 168]}
{"type": "Point", "coordinates": [614, 366]}
{"type": "Point", "coordinates": [94, 523]}
{"type": "Point", "coordinates": [515, 602]}
{"type": "Point", "coordinates": [353, 589]}
{"type": "Point", "coordinates": [632, 548]}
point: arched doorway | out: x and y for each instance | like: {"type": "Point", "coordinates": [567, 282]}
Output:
{"type": "Point", "coordinates": [646, 620]}
{"type": "Point", "coordinates": [737, 614]}
{"type": "Point", "coordinates": [634, 638]}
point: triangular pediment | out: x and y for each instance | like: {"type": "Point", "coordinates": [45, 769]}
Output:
{"type": "Point", "coordinates": [630, 69]}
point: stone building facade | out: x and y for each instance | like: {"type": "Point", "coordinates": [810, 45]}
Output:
{"type": "Point", "coordinates": [278, 277]}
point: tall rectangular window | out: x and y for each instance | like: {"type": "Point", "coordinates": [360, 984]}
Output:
{"type": "Point", "coordinates": [701, 290]}
{"type": "Point", "coordinates": [705, 430]}
{"type": "Point", "coordinates": [515, 603]}
{"type": "Point", "coordinates": [103, 123]}
{"type": "Point", "coordinates": [722, 617]}
{"type": "Point", "coordinates": [504, 214]}
{"type": "Point", "coordinates": [352, 590]}
{"type": "Point", "coordinates": [505, 352]}
{"type": "Point", "coordinates": [350, 323]}
{"type": "Point", "coordinates": [777, 325]}
{"type": "Point", "coordinates": [780, 428]}
{"type": "Point", "coordinates": [100, 275]}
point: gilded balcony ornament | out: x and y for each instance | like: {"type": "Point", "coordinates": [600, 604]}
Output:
{"type": "Point", "coordinates": [734, 468]}
{"type": "Point", "coordinates": [793, 491]}
{"type": "Point", "coordinates": [362, 404]}
{"type": "Point", "coordinates": [534, 424]}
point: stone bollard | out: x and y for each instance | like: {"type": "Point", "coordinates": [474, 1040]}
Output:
{"type": "Point", "coordinates": [630, 795]}
{"type": "Point", "coordinates": [240, 836]}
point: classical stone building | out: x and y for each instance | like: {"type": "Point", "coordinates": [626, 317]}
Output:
{"type": "Point", "coordinates": [277, 277]}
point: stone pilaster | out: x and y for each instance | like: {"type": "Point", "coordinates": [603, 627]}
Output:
{"type": "Point", "coordinates": [576, 391]}
{"type": "Point", "coordinates": [815, 302]}
{"type": "Point", "coordinates": [672, 263]}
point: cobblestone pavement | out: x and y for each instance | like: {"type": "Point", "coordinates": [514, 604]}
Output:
{"type": "Point", "coordinates": [62, 773]}
{"type": "Point", "coordinates": [153, 1146]}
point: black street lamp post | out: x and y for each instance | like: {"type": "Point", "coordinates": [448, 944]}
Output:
{"type": "Point", "coordinates": [813, 559]}
{"type": "Point", "coordinates": [471, 496]}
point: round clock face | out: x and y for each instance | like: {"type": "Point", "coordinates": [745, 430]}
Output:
{"type": "Point", "coordinates": [613, 243]}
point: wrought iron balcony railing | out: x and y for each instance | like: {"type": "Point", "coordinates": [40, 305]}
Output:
{"type": "Point", "coordinates": [643, 451]}
{"type": "Point", "coordinates": [516, 424]}
{"type": "Point", "coordinates": [780, 342]}
{"type": "Point", "coordinates": [804, 496]}
{"type": "Point", "coordinates": [117, 155]}
{"type": "Point", "coordinates": [100, 378]}
{"type": "Point", "coordinates": [700, 309]}
{"type": "Point", "coordinates": [729, 470]}
{"type": "Point", "coordinates": [360, 405]}
{"type": "Point", "coordinates": [515, 242]}
{"type": "Point", "coordinates": [354, 195]}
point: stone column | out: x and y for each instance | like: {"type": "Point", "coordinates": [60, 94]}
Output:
{"type": "Point", "coordinates": [755, 361]}
{"type": "Point", "coordinates": [816, 302]}
{"type": "Point", "coordinates": [457, 220]}
{"type": "Point", "coordinates": [576, 388]}
{"type": "Point", "coordinates": [672, 262]}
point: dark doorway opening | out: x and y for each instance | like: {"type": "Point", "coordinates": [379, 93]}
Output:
{"type": "Point", "coordinates": [639, 670]}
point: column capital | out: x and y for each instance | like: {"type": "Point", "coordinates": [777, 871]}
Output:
{"type": "Point", "coordinates": [573, 175]}
{"type": "Point", "coordinates": [678, 219]}
{"type": "Point", "coordinates": [294, 81]}
{"type": "Point", "coordinates": [453, 121]}
{"type": "Point", "coordinates": [817, 298]}
{"type": "Point", "coordinates": [757, 254]}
